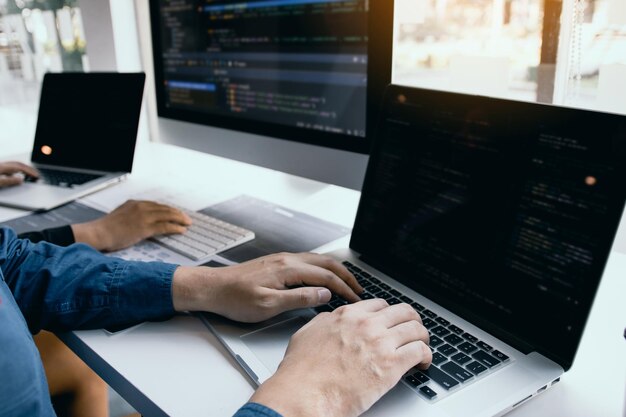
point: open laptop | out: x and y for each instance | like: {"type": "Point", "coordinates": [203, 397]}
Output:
{"type": "Point", "coordinates": [494, 219]}
{"type": "Point", "coordinates": [85, 138]}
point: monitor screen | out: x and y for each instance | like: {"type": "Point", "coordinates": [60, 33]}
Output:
{"type": "Point", "coordinates": [301, 70]}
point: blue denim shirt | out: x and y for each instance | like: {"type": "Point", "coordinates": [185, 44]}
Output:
{"type": "Point", "coordinates": [43, 286]}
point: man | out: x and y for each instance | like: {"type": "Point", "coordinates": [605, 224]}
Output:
{"type": "Point", "coordinates": [339, 364]}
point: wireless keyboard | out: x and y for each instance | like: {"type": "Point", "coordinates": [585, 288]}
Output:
{"type": "Point", "coordinates": [205, 237]}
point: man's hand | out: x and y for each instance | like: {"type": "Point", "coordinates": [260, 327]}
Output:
{"type": "Point", "coordinates": [130, 223]}
{"type": "Point", "coordinates": [341, 363]}
{"type": "Point", "coordinates": [12, 173]}
{"type": "Point", "coordinates": [263, 288]}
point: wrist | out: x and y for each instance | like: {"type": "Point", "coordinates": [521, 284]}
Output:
{"type": "Point", "coordinates": [292, 396]}
{"type": "Point", "coordinates": [191, 289]}
{"type": "Point", "coordinates": [90, 234]}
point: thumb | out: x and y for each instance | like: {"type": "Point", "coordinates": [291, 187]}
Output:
{"type": "Point", "coordinates": [303, 297]}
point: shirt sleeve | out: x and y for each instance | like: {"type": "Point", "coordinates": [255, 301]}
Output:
{"type": "Point", "coordinates": [77, 287]}
{"type": "Point", "coordinates": [256, 410]}
{"type": "Point", "coordinates": [62, 236]}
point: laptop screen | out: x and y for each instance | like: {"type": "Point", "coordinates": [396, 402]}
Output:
{"type": "Point", "coordinates": [501, 211]}
{"type": "Point", "coordinates": [89, 120]}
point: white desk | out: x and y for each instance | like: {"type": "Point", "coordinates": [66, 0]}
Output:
{"type": "Point", "coordinates": [178, 368]}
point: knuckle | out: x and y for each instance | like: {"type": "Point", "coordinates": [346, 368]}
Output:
{"type": "Point", "coordinates": [305, 296]}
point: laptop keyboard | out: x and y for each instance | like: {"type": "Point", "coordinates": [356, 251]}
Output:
{"type": "Point", "coordinates": [205, 237]}
{"type": "Point", "coordinates": [458, 356]}
{"type": "Point", "coordinates": [62, 178]}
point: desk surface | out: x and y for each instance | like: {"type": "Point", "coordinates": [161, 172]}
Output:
{"type": "Point", "coordinates": [179, 368]}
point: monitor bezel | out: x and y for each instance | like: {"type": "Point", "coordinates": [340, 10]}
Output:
{"type": "Point", "coordinates": [380, 46]}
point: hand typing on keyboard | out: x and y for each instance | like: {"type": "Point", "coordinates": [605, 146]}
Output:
{"type": "Point", "coordinates": [131, 223]}
{"type": "Point", "coordinates": [257, 290]}
{"type": "Point", "coordinates": [14, 173]}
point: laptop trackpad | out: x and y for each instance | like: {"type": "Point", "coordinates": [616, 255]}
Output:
{"type": "Point", "coordinates": [270, 343]}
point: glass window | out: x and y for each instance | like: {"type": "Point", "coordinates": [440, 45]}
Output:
{"type": "Point", "coordinates": [570, 52]}
{"type": "Point", "coordinates": [38, 37]}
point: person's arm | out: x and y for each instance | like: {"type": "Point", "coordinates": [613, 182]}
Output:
{"type": "Point", "coordinates": [78, 288]}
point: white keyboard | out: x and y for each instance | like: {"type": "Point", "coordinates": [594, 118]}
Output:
{"type": "Point", "coordinates": [205, 237]}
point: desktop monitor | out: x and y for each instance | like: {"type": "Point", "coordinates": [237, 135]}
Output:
{"type": "Point", "coordinates": [293, 85]}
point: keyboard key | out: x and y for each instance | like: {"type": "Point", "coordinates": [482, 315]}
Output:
{"type": "Point", "coordinates": [500, 355]}
{"type": "Point", "coordinates": [455, 329]}
{"type": "Point", "coordinates": [470, 338]}
{"type": "Point", "coordinates": [395, 293]}
{"type": "Point", "coordinates": [453, 339]}
{"type": "Point", "coordinates": [417, 306]}
{"type": "Point", "coordinates": [441, 377]}
{"type": "Point", "coordinates": [429, 313]}
{"type": "Point", "coordinates": [461, 358]}
{"type": "Point", "coordinates": [325, 308]}
{"type": "Point", "coordinates": [366, 296]}
{"type": "Point", "coordinates": [384, 286]}
{"type": "Point", "coordinates": [438, 358]}
{"type": "Point", "coordinates": [337, 303]}
{"type": "Point", "coordinates": [484, 346]}
{"type": "Point", "coordinates": [428, 323]}
{"type": "Point", "coordinates": [372, 288]}
{"type": "Point", "coordinates": [421, 377]}
{"type": "Point", "coordinates": [427, 392]}
{"type": "Point", "coordinates": [440, 331]}
{"type": "Point", "coordinates": [476, 368]}
{"type": "Point", "coordinates": [457, 372]}
{"type": "Point", "coordinates": [412, 381]}
{"type": "Point", "coordinates": [384, 295]}
{"type": "Point", "coordinates": [447, 349]}
{"type": "Point", "coordinates": [435, 341]}
{"type": "Point", "coordinates": [393, 301]}
{"type": "Point", "coordinates": [467, 347]}
{"type": "Point", "coordinates": [485, 358]}
{"type": "Point", "coordinates": [442, 321]}
{"type": "Point", "coordinates": [406, 299]}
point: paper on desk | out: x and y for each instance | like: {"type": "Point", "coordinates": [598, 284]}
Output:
{"type": "Point", "coordinates": [176, 191]}
{"type": "Point", "coordinates": [334, 204]}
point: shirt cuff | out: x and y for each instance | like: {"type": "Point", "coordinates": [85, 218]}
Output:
{"type": "Point", "coordinates": [143, 291]}
{"type": "Point", "coordinates": [256, 410]}
{"type": "Point", "coordinates": [60, 236]}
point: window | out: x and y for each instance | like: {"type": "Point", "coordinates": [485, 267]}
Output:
{"type": "Point", "coordinates": [37, 37]}
{"type": "Point", "coordinates": [570, 52]}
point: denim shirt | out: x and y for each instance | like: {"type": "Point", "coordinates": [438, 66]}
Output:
{"type": "Point", "coordinates": [44, 286]}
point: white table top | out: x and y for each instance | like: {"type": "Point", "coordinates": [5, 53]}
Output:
{"type": "Point", "coordinates": [179, 368]}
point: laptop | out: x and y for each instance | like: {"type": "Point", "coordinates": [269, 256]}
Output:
{"type": "Point", "coordinates": [494, 219]}
{"type": "Point", "coordinates": [85, 138]}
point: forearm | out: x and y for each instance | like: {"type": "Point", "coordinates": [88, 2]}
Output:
{"type": "Point", "coordinates": [191, 290]}
{"type": "Point", "coordinates": [90, 234]}
{"type": "Point", "coordinates": [79, 288]}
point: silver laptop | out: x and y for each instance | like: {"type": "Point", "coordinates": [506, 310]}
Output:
{"type": "Point", "coordinates": [85, 139]}
{"type": "Point", "coordinates": [494, 219]}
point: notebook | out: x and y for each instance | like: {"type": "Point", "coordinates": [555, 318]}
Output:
{"type": "Point", "coordinates": [85, 138]}
{"type": "Point", "coordinates": [494, 219]}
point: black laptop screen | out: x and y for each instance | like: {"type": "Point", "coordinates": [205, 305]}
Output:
{"type": "Point", "coordinates": [502, 211]}
{"type": "Point", "coordinates": [89, 120]}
